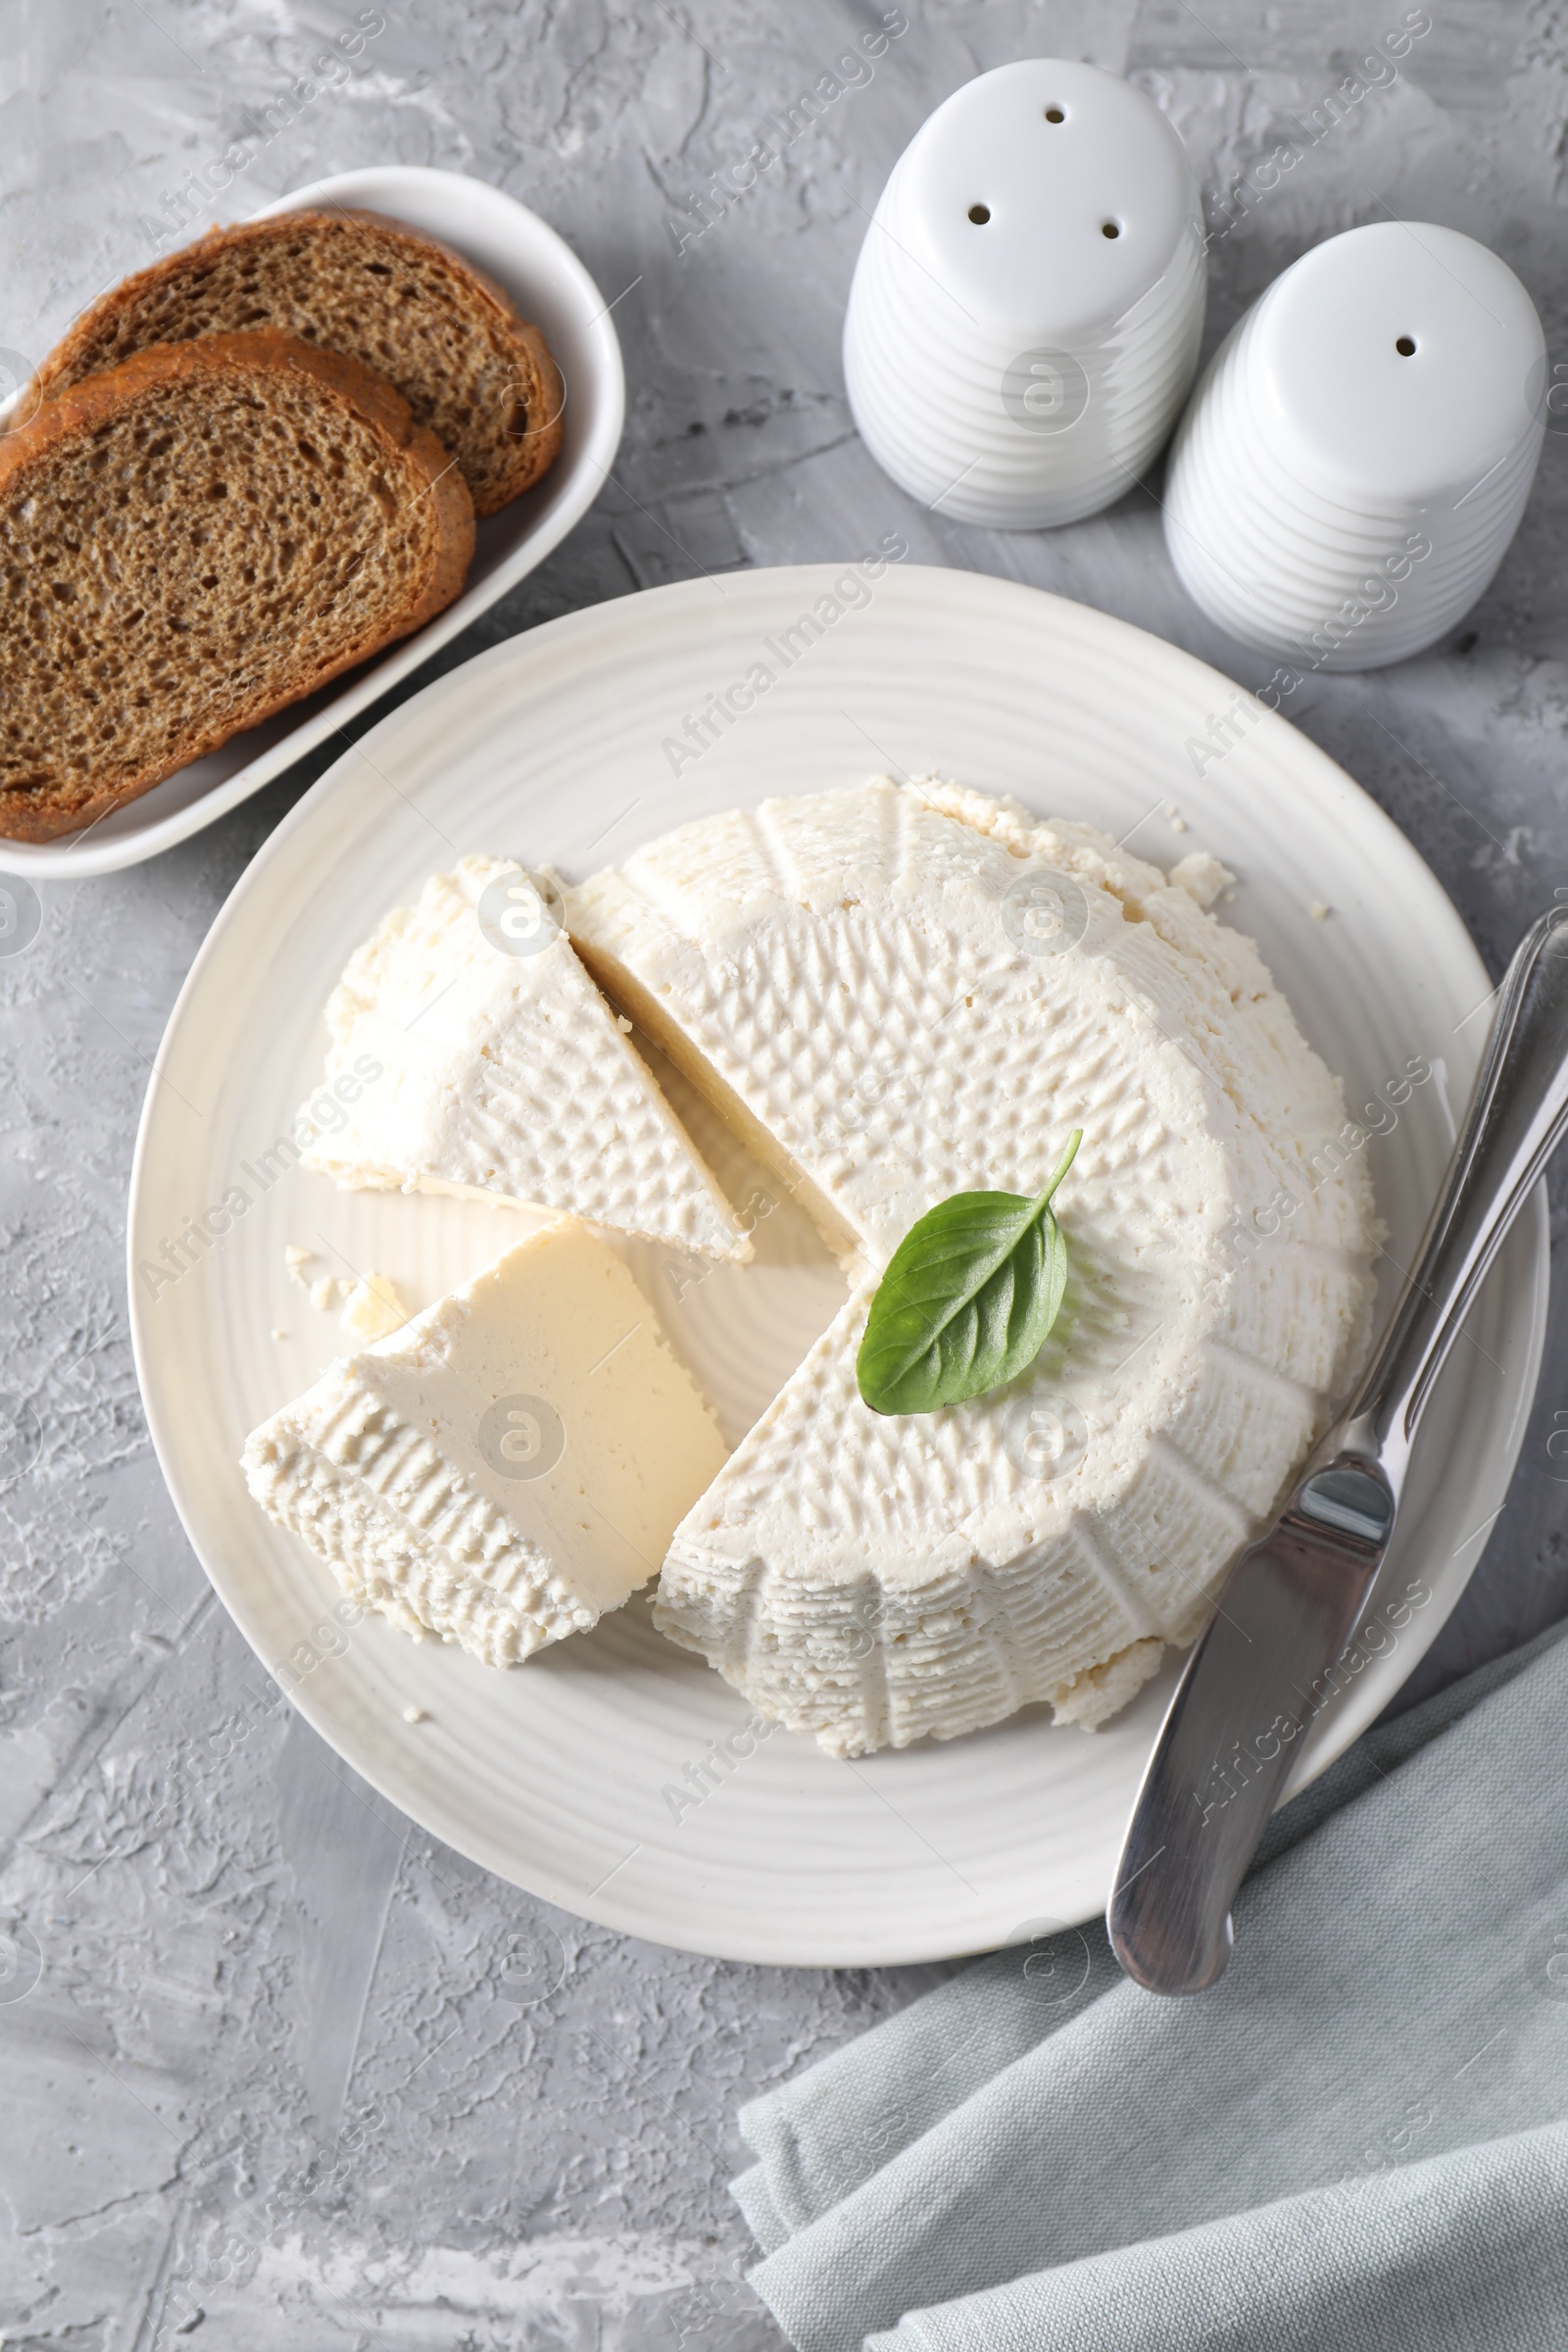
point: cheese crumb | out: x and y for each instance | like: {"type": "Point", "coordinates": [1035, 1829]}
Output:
{"type": "Point", "coordinates": [1319, 911]}
{"type": "Point", "coordinates": [297, 1260]}
{"type": "Point", "coordinates": [413, 1714]}
{"type": "Point", "coordinates": [622, 1024]}
{"type": "Point", "coordinates": [1178, 825]}
{"type": "Point", "coordinates": [325, 1293]}
{"type": "Point", "coordinates": [1202, 876]}
{"type": "Point", "coordinates": [278, 1335]}
{"type": "Point", "coordinates": [373, 1310]}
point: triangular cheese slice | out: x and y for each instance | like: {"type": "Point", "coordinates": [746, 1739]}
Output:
{"type": "Point", "coordinates": [508, 1465]}
{"type": "Point", "coordinates": [471, 1053]}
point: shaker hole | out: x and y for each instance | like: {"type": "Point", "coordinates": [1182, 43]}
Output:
{"type": "Point", "coordinates": [1053, 114]}
{"type": "Point", "coordinates": [979, 213]}
{"type": "Point", "coordinates": [1111, 229]}
{"type": "Point", "coordinates": [1404, 345]}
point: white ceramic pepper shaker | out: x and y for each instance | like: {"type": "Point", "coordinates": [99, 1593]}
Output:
{"type": "Point", "coordinates": [1026, 310]}
{"type": "Point", "coordinates": [1360, 452]}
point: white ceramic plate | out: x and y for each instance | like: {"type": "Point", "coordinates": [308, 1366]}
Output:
{"type": "Point", "coordinates": [549, 747]}
{"type": "Point", "coordinates": [549, 285]}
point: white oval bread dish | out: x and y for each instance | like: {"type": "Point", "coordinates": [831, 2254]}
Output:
{"type": "Point", "coordinates": [549, 285]}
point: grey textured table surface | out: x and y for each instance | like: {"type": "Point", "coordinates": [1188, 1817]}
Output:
{"type": "Point", "coordinates": [273, 2085]}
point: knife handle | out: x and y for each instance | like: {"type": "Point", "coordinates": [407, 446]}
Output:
{"type": "Point", "coordinates": [1261, 1671]}
{"type": "Point", "coordinates": [1517, 1116]}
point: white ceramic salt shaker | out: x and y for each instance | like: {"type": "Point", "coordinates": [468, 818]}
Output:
{"type": "Point", "coordinates": [1360, 452]}
{"type": "Point", "coordinates": [1026, 310]}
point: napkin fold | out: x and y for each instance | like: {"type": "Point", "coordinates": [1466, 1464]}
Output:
{"type": "Point", "coordinates": [1360, 2136]}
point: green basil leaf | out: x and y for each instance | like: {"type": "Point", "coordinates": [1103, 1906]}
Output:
{"type": "Point", "coordinates": [968, 1299]}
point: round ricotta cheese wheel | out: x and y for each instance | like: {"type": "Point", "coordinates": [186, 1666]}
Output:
{"type": "Point", "coordinates": [898, 992]}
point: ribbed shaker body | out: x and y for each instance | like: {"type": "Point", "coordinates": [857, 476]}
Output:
{"type": "Point", "coordinates": [1026, 311]}
{"type": "Point", "coordinates": [1358, 454]}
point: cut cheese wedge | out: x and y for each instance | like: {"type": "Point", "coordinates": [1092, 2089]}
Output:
{"type": "Point", "coordinates": [899, 993]}
{"type": "Point", "coordinates": [508, 1466]}
{"type": "Point", "coordinates": [480, 1059]}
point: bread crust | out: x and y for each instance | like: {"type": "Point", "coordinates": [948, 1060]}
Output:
{"type": "Point", "coordinates": [539, 382]}
{"type": "Point", "coordinates": [410, 449]}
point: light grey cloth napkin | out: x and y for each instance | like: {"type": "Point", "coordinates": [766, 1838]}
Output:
{"type": "Point", "coordinates": [1358, 2139]}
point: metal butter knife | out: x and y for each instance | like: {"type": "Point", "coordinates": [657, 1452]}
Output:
{"type": "Point", "coordinates": [1295, 1598]}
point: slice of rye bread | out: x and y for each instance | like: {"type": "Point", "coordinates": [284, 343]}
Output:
{"type": "Point", "coordinates": [476, 375]}
{"type": "Point", "coordinates": [193, 539]}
